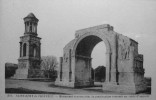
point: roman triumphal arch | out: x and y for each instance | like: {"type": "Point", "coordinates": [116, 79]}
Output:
{"type": "Point", "coordinates": [124, 66]}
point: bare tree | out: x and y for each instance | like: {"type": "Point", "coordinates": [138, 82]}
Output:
{"type": "Point", "coordinates": [49, 63]}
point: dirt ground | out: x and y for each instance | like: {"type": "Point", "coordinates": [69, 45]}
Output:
{"type": "Point", "coordinates": [48, 87]}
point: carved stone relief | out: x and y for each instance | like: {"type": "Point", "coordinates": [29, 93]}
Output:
{"type": "Point", "coordinates": [123, 48]}
{"type": "Point", "coordinates": [22, 65]}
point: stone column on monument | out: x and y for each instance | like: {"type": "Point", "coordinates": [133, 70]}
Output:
{"type": "Point", "coordinates": [36, 28]}
{"type": "Point", "coordinates": [114, 61]}
{"type": "Point", "coordinates": [90, 68]}
{"type": "Point", "coordinates": [27, 49]}
{"type": "Point", "coordinates": [70, 70]}
{"type": "Point", "coordinates": [61, 61]}
{"type": "Point", "coordinates": [108, 66]}
{"type": "Point", "coordinates": [39, 50]}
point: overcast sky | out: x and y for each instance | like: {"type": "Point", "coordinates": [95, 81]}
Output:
{"type": "Point", "coordinates": [59, 19]}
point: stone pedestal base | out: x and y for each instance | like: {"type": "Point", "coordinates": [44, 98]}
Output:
{"type": "Point", "coordinates": [28, 73]}
{"type": "Point", "coordinates": [131, 88]}
{"type": "Point", "coordinates": [21, 74]}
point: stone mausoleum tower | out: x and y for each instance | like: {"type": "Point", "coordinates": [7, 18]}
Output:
{"type": "Point", "coordinates": [30, 50]}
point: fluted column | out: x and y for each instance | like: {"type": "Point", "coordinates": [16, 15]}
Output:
{"type": "Point", "coordinates": [114, 61]}
{"type": "Point", "coordinates": [27, 50]}
{"type": "Point", "coordinates": [108, 66]}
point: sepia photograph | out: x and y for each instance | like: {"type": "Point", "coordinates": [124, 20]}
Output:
{"type": "Point", "coordinates": [77, 49]}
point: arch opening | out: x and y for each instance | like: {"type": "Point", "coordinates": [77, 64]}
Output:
{"type": "Point", "coordinates": [34, 50]}
{"type": "Point", "coordinates": [99, 63]}
{"type": "Point", "coordinates": [24, 49]}
{"type": "Point", "coordinates": [84, 59]}
{"type": "Point", "coordinates": [86, 45]}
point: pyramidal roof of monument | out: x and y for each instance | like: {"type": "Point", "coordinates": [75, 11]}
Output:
{"type": "Point", "coordinates": [31, 15]}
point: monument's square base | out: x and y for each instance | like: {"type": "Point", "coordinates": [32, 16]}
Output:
{"type": "Point", "coordinates": [128, 88]}
{"type": "Point", "coordinates": [21, 74]}
{"type": "Point", "coordinates": [28, 73]}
